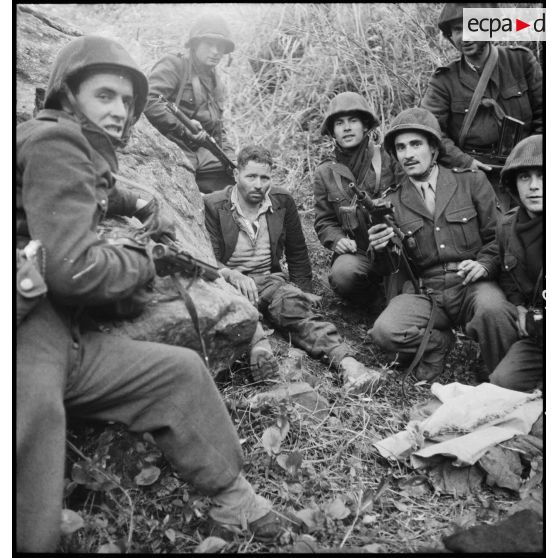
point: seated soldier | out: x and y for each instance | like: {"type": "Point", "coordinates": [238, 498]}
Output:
{"type": "Point", "coordinates": [64, 185]}
{"type": "Point", "coordinates": [520, 241]}
{"type": "Point", "coordinates": [340, 224]}
{"type": "Point", "coordinates": [191, 81]}
{"type": "Point", "coordinates": [251, 225]}
{"type": "Point", "coordinates": [448, 219]}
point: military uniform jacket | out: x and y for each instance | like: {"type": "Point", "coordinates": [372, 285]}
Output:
{"type": "Point", "coordinates": [331, 192]}
{"type": "Point", "coordinates": [285, 233]}
{"type": "Point", "coordinates": [197, 102]}
{"type": "Point", "coordinates": [64, 188]}
{"type": "Point", "coordinates": [462, 228]}
{"type": "Point", "coordinates": [514, 279]}
{"type": "Point", "coordinates": [515, 84]}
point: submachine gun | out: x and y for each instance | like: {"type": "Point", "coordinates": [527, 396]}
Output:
{"type": "Point", "coordinates": [379, 212]}
{"type": "Point", "coordinates": [209, 142]}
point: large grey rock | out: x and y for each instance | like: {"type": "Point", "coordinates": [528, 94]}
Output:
{"type": "Point", "coordinates": [227, 320]}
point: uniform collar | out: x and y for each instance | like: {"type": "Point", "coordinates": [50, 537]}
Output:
{"type": "Point", "coordinates": [431, 180]}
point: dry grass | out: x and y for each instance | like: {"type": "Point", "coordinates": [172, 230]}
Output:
{"type": "Point", "coordinates": [289, 62]}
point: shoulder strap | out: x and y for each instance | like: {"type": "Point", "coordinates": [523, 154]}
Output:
{"type": "Point", "coordinates": [377, 166]}
{"type": "Point", "coordinates": [477, 95]}
{"type": "Point", "coordinates": [184, 79]}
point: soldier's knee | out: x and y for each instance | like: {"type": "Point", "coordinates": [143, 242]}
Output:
{"type": "Point", "coordinates": [382, 332]}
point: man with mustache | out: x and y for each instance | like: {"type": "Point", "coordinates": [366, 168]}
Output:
{"type": "Point", "coordinates": [190, 80]}
{"type": "Point", "coordinates": [251, 226]}
{"type": "Point", "coordinates": [520, 241]}
{"type": "Point", "coordinates": [448, 217]}
{"type": "Point", "coordinates": [514, 89]}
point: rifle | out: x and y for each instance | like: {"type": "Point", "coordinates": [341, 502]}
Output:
{"type": "Point", "coordinates": [381, 212]}
{"type": "Point", "coordinates": [169, 258]}
{"type": "Point", "coordinates": [209, 143]}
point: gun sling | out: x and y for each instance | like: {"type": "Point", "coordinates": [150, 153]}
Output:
{"type": "Point", "coordinates": [477, 95]}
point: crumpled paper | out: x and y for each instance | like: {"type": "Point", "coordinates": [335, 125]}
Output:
{"type": "Point", "coordinates": [470, 420]}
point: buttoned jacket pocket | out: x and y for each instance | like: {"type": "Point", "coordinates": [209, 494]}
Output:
{"type": "Point", "coordinates": [515, 101]}
{"type": "Point", "coordinates": [464, 229]}
{"type": "Point", "coordinates": [412, 231]}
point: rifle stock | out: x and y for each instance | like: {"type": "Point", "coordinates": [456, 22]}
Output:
{"type": "Point", "coordinates": [210, 144]}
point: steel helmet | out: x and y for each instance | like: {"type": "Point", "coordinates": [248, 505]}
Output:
{"type": "Point", "coordinates": [452, 13]}
{"type": "Point", "coordinates": [413, 119]}
{"type": "Point", "coordinates": [527, 153]}
{"type": "Point", "coordinates": [348, 102]}
{"type": "Point", "coordinates": [88, 53]}
{"type": "Point", "coordinates": [211, 26]}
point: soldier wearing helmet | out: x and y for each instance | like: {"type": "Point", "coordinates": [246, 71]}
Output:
{"type": "Point", "coordinates": [514, 90]}
{"type": "Point", "coordinates": [339, 223]}
{"type": "Point", "coordinates": [190, 80]}
{"type": "Point", "coordinates": [520, 244]}
{"type": "Point", "coordinates": [448, 217]}
{"type": "Point", "coordinates": [65, 161]}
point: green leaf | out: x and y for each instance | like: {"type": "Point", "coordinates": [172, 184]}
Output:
{"type": "Point", "coordinates": [171, 535]}
{"type": "Point", "coordinates": [147, 476]}
{"type": "Point", "coordinates": [109, 548]}
{"type": "Point", "coordinates": [310, 517]}
{"type": "Point", "coordinates": [284, 426]}
{"type": "Point", "coordinates": [70, 522]}
{"type": "Point", "coordinates": [210, 545]}
{"type": "Point", "coordinates": [271, 440]}
{"type": "Point", "coordinates": [337, 509]}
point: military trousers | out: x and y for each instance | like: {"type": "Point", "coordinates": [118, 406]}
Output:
{"type": "Point", "coordinates": [149, 387]}
{"type": "Point", "coordinates": [290, 311]}
{"type": "Point", "coordinates": [351, 277]}
{"type": "Point", "coordinates": [522, 367]}
{"type": "Point", "coordinates": [481, 308]}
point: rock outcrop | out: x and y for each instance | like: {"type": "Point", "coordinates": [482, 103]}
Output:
{"type": "Point", "coordinates": [227, 320]}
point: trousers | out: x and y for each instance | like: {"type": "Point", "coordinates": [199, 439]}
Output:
{"type": "Point", "coordinates": [290, 311]}
{"type": "Point", "coordinates": [480, 307]}
{"type": "Point", "coordinates": [149, 387]}
{"type": "Point", "coordinates": [522, 367]}
{"type": "Point", "coordinates": [351, 277]}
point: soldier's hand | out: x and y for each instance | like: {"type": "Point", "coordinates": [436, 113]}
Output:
{"type": "Point", "coordinates": [345, 246]}
{"type": "Point", "coordinates": [471, 271]}
{"type": "Point", "coordinates": [243, 283]}
{"type": "Point", "coordinates": [156, 220]}
{"type": "Point", "coordinates": [477, 165]}
{"type": "Point", "coordinates": [521, 325]}
{"type": "Point", "coordinates": [379, 235]}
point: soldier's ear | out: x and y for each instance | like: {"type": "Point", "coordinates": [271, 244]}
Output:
{"type": "Point", "coordinates": [236, 174]}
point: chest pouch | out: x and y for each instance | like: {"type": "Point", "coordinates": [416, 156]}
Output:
{"type": "Point", "coordinates": [349, 218]}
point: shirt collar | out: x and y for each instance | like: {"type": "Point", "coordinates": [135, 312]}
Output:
{"type": "Point", "coordinates": [432, 179]}
{"type": "Point", "coordinates": [265, 204]}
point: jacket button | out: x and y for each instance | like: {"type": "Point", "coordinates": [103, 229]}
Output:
{"type": "Point", "coordinates": [26, 284]}
{"type": "Point", "coordinates": [437, 228]}
{"type": "Point", "coordinates": [464, 219]}
{"type": "Point", "coordinates": [75, 345]}
{"type": "Point", "coordinates": [466, 110]}
{"type": "Point", "coordinates": [442, 245]}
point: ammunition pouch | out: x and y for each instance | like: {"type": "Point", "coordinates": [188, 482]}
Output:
{"type": "Point", "coordinates": [534, 324]}
{"type": "Point", "coordinates": [30, 284]}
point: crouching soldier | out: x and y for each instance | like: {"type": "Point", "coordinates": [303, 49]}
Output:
{"type": "Point", "coordinates": [340, 223]}
{"type": "Point", "coordinates": [191, 81]}
{"type": "Point", "coordinates": [65, 160]}
{"type": "Point", "coordinates": [251, 225]}
{"type": "Point", "coordinates": [520, 241]}
{"type": "Point", "coordinates": [448, 219]}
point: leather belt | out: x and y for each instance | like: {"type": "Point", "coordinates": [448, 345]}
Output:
{"type": "Point", "coordinates": [446, 267]}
